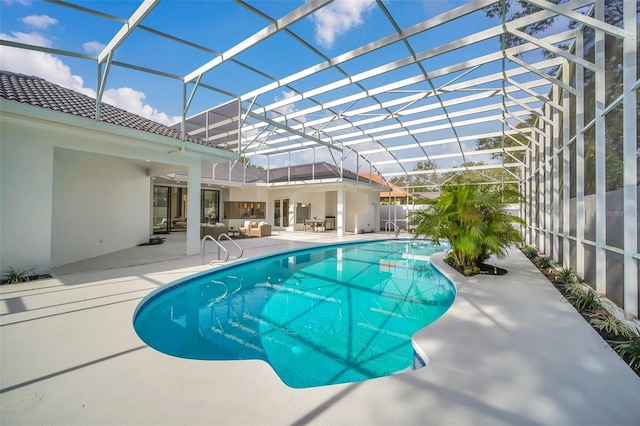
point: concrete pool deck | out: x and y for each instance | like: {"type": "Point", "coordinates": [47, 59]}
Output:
{"type": "Point", "coordinates": [509, 351]}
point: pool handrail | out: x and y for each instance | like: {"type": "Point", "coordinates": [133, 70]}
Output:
{"type": "Point", "coordinates": [220, 246]}
{"type": "Point", "coordinates": [234, 243]}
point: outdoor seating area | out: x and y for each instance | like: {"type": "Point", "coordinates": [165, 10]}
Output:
{"type": "Point", "coordinates": [213, 229]}
{"type": "Point", "coordinates": [255, 229]}
{"type": "Point", "coordinates": [179, 223]}
{"type": "Point", "coordinates": [314, 225]}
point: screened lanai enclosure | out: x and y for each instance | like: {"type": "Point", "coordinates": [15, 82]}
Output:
{"type": "Point", "coordinates": [534, 94]}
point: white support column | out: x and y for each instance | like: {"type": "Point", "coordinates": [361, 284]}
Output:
{"type": "Point", "coordinates": [342, 212]}
{"type": "Point", "coordinates": [530, 206]}
{"type": "Point", "coordinates": [580, 214]}
{"type": "Point", "coordinates": [630, 147]}
{"type": "Point", "coordinates": [566, 169]}
{"type": "Point", "coordinates": [555, 176]}
{"type": "Point", "coordinates": [547, 170]}
{"type": "Point", "coordinates": [193, 207]}
{"type": "Point", "coordinates": [600, 154]}
{"type": "Point", "coordinates": [535, 196]}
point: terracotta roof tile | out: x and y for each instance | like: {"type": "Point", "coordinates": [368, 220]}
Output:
{"type": "Point", "coordinates": [42, 93]}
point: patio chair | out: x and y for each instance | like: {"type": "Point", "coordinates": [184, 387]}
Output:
{"type": "Point", "coordinates": [262, 229]}
{"type": "Point", "coordinates": [244, 228]}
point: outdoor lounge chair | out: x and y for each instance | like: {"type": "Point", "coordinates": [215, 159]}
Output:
{"type": "Point", "coordinates": [261, 229]}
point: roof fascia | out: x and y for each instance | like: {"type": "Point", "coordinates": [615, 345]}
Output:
{"type": "Point", "coordinates": [21, 111]}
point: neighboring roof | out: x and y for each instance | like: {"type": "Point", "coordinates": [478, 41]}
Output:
{"type": "Point", "coordinates": [220, 171]}
{"type": "Point", "coordinates": [395, 191]}
{"type": "Point", "coordinates": [304, 172]}
{"type": "Point", "coordinates": [42, 93]}
{"type": "Point", "coordinates": [252, 174]}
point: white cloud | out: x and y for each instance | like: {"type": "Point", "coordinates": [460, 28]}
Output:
{"type": "Point", "coordinates": [39, 64]}
{"type": "Point", "coordinates": [39, 21]}
{"type": "Point", "coordinates": [132, 100]}
{"type": "Point", "coordinates": [286, 109]}
{"type": "Point", "coordinates": [93, 47]}
{"type": "Point", "coordinates": [338, 18]}
{"type": "Point", "coordinates": [22, 2]}
{"type": "Point", "coordinates": [289, 108]}
{"type": "Point", "coordinates": [51, 68]}
{"type": "Point", "coordinates": [33, 38]}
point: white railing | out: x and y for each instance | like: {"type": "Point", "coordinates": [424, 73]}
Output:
{"type": "Point", "coordinates": [202, 246]}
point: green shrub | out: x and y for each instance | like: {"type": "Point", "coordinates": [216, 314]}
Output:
{"type": "Point", "coordinates": [472, 219]}
{"type": "Point", "coordinates": [14, 276]}
{"type": "Point", "coordinates": [565, 276]}
{"type": "Point", "coordinates": [629, 350]}
{"type": "Point", "coordinates": [542, 262]}
{"type": "Point", "coordinates": [471, 271]}
{"type": "Point", "coordinates": [582, 300]}
{"type": "Point", "coordinates": [611, 325]}
{"type": "Point", "coordinates": [530, 252]}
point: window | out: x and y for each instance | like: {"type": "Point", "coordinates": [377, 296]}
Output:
{"type": "Point", "coordinates": [244, 210]}
{"type": "Point", "coordinates": [210, 206]}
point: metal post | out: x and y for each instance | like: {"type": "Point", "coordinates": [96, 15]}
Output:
{"type": "Point", "coordinates": [566, 169]}
{"type": "Point", "coordinates": [600, 154]}
{"type": "Point", "coordinates": [630, 147]}
{"type": "Point", "coordinates": [555, 175]}
{"type": "Point", "coordinates": [580, 209]}
{"type": "Point", "coordinates": [547, 175]}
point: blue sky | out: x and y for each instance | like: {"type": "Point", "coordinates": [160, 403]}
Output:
{"type": "Point", "coordinates": [219, 25]}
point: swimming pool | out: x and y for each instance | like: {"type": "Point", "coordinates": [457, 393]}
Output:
{"type": "Point", "coordinates": [319, 316]}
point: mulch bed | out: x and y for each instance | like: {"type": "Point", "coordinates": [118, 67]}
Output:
{"type": "Point", "coordinates": [485, 269]}
{"type": "Point", "coordinates": [610, 338]}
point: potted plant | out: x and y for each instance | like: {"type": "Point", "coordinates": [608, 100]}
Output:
{"type": "Point", "coordinates": [473, 220]}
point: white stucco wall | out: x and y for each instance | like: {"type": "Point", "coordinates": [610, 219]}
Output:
{"type": "Point", "coordinates": [100, 205]}
{"type": "Point", "coordinates": [358, 204]}
{"type": "Point", "coordinates": [331, 203]}
{"type": "Point", "coordinates": [316, 199]}
{"type": "Point", "coordinates": [26, 165]}
{"type": "Point", "coordinates": [260, 194]}
{"type": "Point", "coordinates": [94, 192]}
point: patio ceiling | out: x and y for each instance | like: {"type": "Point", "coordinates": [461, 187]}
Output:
{"type": "Point", "coordinates": [423, 87]}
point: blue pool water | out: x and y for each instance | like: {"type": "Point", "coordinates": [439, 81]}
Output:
{"type": "Point", "coordinates": [320, 316]}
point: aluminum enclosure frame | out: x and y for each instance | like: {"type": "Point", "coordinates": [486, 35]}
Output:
{"type": "Point", "coordinates": [424, 107]}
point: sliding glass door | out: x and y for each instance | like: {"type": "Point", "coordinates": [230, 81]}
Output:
{"type": "Point", "coordinates": [281, 212]}
{"type": "Point", "coordinates": [210, 206]}
{"type": "Point", "coordinates": [161, 208]}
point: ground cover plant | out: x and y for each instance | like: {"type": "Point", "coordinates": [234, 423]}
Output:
{"type": "Point", "coordinates": [13, 275]}
{"type": "Point", "coordinates": [624, 340]}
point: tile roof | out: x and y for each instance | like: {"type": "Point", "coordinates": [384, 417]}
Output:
{"type": "Point", "coordinates": [395, 191]}
{"type": "Point", "coordinates": [253, 174]}
{"type": "Point", "coordinates": [42, 93]}
{"type": "Point", "coordinates": [321, 170]}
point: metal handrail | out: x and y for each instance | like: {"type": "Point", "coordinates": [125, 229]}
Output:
{"type": "Point", "coordinates": [386, 226]}
{"type": "Point", "coordinates": [209, 237]}
{"type": "Point", "coordinates": [234, 243]}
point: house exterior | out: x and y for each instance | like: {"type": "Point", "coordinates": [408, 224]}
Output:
{"type": "Point", "coordinates": [74, 187]}
{"type": "Point", "coordinates": [283, 196]}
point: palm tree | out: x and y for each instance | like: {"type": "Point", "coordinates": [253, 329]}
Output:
{"type": "Point", "coordinates": [474, 222]}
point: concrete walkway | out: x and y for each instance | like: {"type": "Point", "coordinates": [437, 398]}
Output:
{"type": "Point", "coordinates": [509, 351]}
